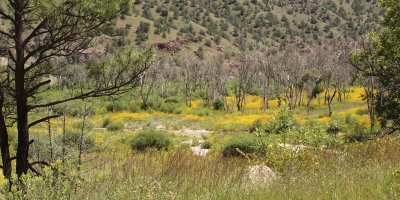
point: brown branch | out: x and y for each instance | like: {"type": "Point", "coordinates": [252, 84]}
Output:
{"type": "Point", "coordinates": [32, 90]}
{"type": "Point", "coordinates": [39, 163]}
{"type": "Point", "coordinates": [6, 34]}
{"type": "Point", "coordinates": [35, 31]}
{"type": "Point", "coordinates": [43, 119]}
{"type": "Point", "coordinates": [35, 171]}
{"type": "Point", "coordinates": [2, 13]}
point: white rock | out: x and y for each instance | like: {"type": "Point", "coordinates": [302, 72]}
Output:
{"type": "Point", "coordinates": [260, 174]}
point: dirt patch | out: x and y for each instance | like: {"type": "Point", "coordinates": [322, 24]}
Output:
{"type": "Point", "coordinates": [198, 150]}
{"type": "Point", "coordinates": [174, 46]}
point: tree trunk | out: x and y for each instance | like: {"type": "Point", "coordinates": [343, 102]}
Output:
{"type": "Point", "coordinates": [50, 140]}
{"type": "Point", "coordinates": [23, 131]}
{"type": "Point", "coordinates": [4, 146]}
{"type": "Point", "coordinates": [82, 137]}
{"type": "Point", "coordinates": [63, 137]}
{"type": "Point", "coordinates": [308, 107]}
{"type": "Point", "coordinates": [21, 95]}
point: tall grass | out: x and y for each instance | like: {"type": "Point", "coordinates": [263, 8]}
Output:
{"type": "Point", "coordinates": [356, 171]}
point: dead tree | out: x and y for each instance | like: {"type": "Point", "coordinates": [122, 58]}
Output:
{"type": "Point", "coordinates": [245, 79]}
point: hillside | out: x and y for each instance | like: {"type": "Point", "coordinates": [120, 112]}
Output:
{"type": "Point", "coordinates": [233, 25]}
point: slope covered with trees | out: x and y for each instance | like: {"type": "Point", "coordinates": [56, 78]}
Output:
{"type": "Point", "coordinates": [240, 25]}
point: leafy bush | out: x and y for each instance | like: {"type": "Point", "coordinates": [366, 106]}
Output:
{"type": "Point", "coordinates": [172, 100]}
{"type": "Point", "coordinates": [75, 108]}
{"type": "Point", "coordinates": [359, 134]}
{"type": "Point", "coordinates": [245, 143]}
{"type": "Point", "coordinates": [256, 125]}
{"type": "Point", "coordinates": [72, 138]}
{"type": "Point", "coordinates": [206, 145]}
{"type": "Point", "coordinates": [116, 106]}
{"type": "Point", "coordinates": [106, 122]}
{"type": "Point", "coordinates": [135, 107]}
{"type": "Point", "coordinates": [284, 120]}
{"type": "Point", "coordinates": [170, 108]}
{"type": "Point", "coordinates": [199, 112]}
{"type": "Point", "coordinates": [150, 138]}
{"type": "Point", "coordinates": [334, 127]}
{"type": "Point", "coordinates": [337, 124]}
{"type": "Point", "coordinates": [115, 126]}
{"type": "Point", "coordinates": [218, 105]}
{"type": "Point", "coordinates": [351, 120]}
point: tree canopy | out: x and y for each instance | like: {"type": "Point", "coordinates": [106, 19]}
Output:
{"type": "Point", "coordinates": [380, 57]}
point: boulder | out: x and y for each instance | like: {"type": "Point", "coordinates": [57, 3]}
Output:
{"type": "Point", "coordinates": [260, 175]}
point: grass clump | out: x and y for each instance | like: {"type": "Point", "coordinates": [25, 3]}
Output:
{"type": "Point", "coordinates": [392, 184]}
{"type": "Point", "coordinates": [245, 143]}
{"type": "Point", "coordinates": [150, 138]}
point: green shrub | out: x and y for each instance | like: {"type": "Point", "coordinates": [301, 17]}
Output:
{"type": "Point", "coordinates": [72, 138]}
{"type": "Point", "coordinates": [115, 126]}
{"type": "Point", "coordinates": [362, 112]}
{"type": "Point", "coordinates": [334, 127]}
{"type": "Point", "coordinates": [245, 143]}
{"type": "Point", "coordinates": [284, 120]}
{"type": "Point", "coordinates": [272, 126]}
{"type": "Point", "coordinates": [350, 119]}
{"type": "Point", "coordinates": [172, 100]}
{"type": "Point", "coordinates": [256, 125]}
{"type": "Point", "coordinates": [170, 108]}
{"type": "Point", "coordinates": [116, 106]}
{"type": "Point", "coordinates": [75, 108]}
{"type": "Point", "coordinates": [337, 124]}
{"type": "Point", "coordinates": [106, 122]}
{"type": "Point", "coordinates": [150, 138]}
{"type": "Point", "coordinates": [135, 107]}
{"type": "Point", "coordinates": [360, 134]}
{"type": "Point", "coordinates": [199, 112]}
{"type": "Point", "coordinates": [218, 105]}
{"type": "Point", "coordinates": [206, 145]}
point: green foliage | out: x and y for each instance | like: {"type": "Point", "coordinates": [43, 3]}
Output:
{"type": "Point", "coordinates": [256, 125]}
{"type": "Point", "coordinates": [170, 108]}
{"type": "Point", "coordinates": [150, 138]}
{"type": "Point", "coordinates": [115, 126]}
{"type": "Point", "coordinates": [218, 105]}
{"type": "Point", "coordinates": [117, 106]}
{"type": "Point", "coordinates": [284, 120]}
{"type": "Point", "coordinates": [142, 32]}
{"type": "Point", "coordinates": [206, 145]}
{"type": "Point", "coordinates": [334, 126]}
{"type": "Point", "coordinates": [245, 143]}
{"type": "Point", "coordinates": [314, 136]}
{"type": "Point", "coordinates": [106, 122]}
{"type": "Point", "coordinates": [73, 138]}
{"type": "Point", "coordinates": [172, 100]}
{"type": "Point", "coordinates": [379, 58]}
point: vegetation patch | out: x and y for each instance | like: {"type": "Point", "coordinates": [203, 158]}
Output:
{"type": "Point", "coordinates": [150, 138]}
{"type": "Point", "coordinates": [239, 144]}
